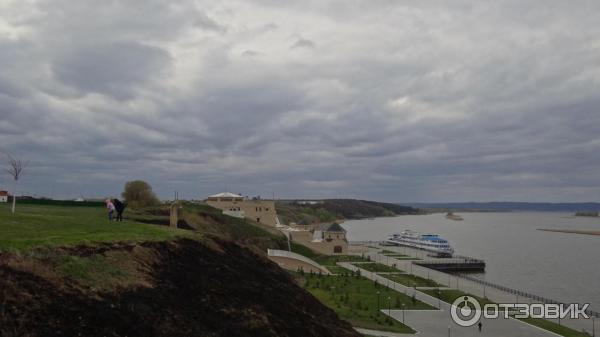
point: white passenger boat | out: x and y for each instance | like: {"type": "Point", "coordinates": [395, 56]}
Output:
{"type": "Point", "coordinates": [429, 242]}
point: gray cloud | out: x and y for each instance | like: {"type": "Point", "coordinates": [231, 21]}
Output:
{"type": "Point", "coordinates": [404, 101]}
{"type": "Point", "coordinates": [115, 69]}
{"type": "Point", "coordinates": [303, 43]}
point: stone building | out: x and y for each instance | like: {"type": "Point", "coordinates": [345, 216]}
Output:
{"type": "Point", "coordinates": [259, 210]}
{"type": "Point", "coordinates": [328, 239]}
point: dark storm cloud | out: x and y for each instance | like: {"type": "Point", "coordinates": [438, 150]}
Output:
{"type": "Point", "coordinates": [399, 101]}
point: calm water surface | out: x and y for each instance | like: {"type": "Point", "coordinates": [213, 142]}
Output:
{"type": "Point", "coordinates": [565, 267]}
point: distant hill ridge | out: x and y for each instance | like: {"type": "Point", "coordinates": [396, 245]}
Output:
{"type": "Point", "coordinates": [512, 206]}
{"type": "Point", "coordinates": [316, 211]}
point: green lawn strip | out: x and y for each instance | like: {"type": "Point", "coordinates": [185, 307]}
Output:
{"type": "Point", "coordinates": [326, 260]}
{"type": "Point", "coordinates": [391, 252]}
{"type": "Point", "coordinates": [403, 257]}
{"type": "Point", "coordinates": [377, 267]}
{"type": "Point", "coordinates": [337, 270]}
{"type": "Point", "coordinates": [355, 299]}
{"type": "Point", "coordinates": [449, 295]}
{"type": "Point", "coordinates": [554, 327]}
{"type": "Point", "coordinates": [410, 280]}
{"type": "Point", "coordinates": [46, 226]}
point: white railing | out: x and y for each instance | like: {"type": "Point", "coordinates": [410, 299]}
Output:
{"type": "Point", "coordinates": [291, 255]}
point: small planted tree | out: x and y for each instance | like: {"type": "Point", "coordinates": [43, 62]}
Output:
{"type": "Point", "coordinates": [15, 170]}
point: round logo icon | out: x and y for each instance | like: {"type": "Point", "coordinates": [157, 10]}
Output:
{"type": "Point", "coordinates": [465, 311]}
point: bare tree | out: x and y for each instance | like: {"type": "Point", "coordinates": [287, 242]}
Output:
{"type": "Point", "coordinates": [15, 169]}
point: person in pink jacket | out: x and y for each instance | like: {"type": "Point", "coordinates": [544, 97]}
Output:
{"type": "Point", "coordinates": [110, 207]}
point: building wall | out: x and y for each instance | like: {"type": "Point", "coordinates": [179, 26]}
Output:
{"type": "Point", "coordinates": [262, 211]}
{"type": "Point", "coordinates": [325, 247]}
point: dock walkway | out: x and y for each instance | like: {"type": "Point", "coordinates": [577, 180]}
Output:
{"type": "Point", "coordinates": [435, 323]}
{"type": "Point", "coordinates": [460, 283]}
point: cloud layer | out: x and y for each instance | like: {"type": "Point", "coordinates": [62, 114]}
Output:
{"type": "Point", "coordinates": [378, 99]}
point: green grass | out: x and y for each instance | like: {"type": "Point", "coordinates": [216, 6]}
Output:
{"type": "Point", "coordinates": [377, 267]}
{"type": "Point", "coordinates": [43, 225]}
{"type": "Point", "coordinates": [355, 299]}
{"type": "Point", "coordinates": [337, 270]}
{"type": "Point", "coordinates": [326, 260]}
{"type": "Point", "coordinates": [392, 253]}
{"type": "Point", "coordinates": [304, 251]}
{"type": "Point", "coordinates": [403, 257]}
{"type": "Point", "coordinates": [449, 295]}
{"type": "Point", "coordinates": [411, 280]}
{"type": "Point", "coordinates": [554, 327]}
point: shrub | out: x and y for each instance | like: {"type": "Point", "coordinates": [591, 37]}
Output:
{"type": "Point", "coordinates": [138, 194]}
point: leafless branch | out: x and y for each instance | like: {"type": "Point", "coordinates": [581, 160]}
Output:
{"type": "Point", "coordinates": [15, 167]}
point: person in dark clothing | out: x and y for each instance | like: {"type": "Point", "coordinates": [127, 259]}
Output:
{"type": "Point", "coordinates": [479, 325]}
{"type": "Point", "coordinates": [119, 207]}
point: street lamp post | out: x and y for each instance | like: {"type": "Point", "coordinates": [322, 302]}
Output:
{"type": "Point", "coordinates": [403, 305]}
{"type": "Point", "coordinates": [378, 302]}
{"type": "Point", "coordinates": [594, 326]}
{"type": "Point", "coordinates": [389, 306]}
{"type": "Point", "coordinates": [439, 293]}
{"type": "Point", "coordinates": [448, 331]}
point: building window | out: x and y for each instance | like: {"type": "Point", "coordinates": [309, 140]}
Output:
{"type": "Point", "coordinates": [257, 219]}
{"type": "Point", "coordinates": [337, 249]}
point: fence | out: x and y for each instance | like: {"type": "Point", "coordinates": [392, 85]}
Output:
{"type": "Point", "coordinates": [534, 297]}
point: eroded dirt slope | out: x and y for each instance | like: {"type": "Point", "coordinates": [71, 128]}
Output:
{"type": "Point", "coordinates": [178, 288]}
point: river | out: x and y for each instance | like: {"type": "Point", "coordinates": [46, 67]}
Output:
{"type": "Point", "coordinates": [564, 267]}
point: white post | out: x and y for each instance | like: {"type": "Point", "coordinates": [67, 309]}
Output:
{"type": "Point", "coordinates": [14, 201]}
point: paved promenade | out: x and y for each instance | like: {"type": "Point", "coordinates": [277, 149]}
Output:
{"type": "Point", "coordinates": [465, 285]}
{"type": "Point", "coordinates": [438, 323]}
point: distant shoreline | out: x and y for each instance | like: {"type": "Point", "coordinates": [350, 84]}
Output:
{"type": "Point", "coordinates": [571, 231]}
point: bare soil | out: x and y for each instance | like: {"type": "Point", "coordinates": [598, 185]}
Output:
{"type": "Point", "coordinates": [176, 288]}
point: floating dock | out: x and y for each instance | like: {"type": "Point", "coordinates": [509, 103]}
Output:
{"type": "Point", "coordinates": [463, 264]}
{"type": "Point", "coordinates": [420, 257]}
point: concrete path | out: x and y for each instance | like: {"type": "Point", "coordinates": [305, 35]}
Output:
{"type": "Point", "coordinates": [378, 333]}
{"type": "Point", "coordinates": [456, 282]}
{"type": "Point", "coordinates": [436, 323]}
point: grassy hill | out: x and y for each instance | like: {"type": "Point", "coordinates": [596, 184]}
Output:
{"type": "Point", "coordinates": [67, 271]}
{"type": "Point", "coordinates": [49, 226]}
{"type": "Point", "coordinates": [332, 209]}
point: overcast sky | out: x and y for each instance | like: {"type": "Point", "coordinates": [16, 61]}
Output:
{"type": "Point", "coordinates": [376, 99]}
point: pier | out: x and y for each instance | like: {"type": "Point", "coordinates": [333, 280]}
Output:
{"type": "Point", "coordinates": [416, 262]}
{"type": "Point", "coordinates": [456, 263]}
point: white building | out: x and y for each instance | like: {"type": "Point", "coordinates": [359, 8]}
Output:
{"type": "Point", "coordinates": [3, 196]}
